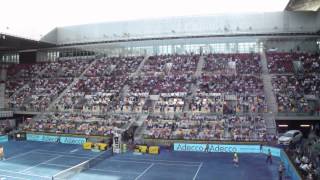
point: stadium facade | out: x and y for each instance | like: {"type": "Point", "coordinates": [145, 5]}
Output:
{"type": "Point", "coordinates": [224, 33]}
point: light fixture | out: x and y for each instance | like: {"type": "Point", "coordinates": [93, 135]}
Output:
{"type": "Point", "coordinates": [305, 125]}
{"type": "Point", "coordinates": [282, 125]}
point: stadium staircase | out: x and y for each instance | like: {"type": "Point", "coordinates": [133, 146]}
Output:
{"type": "Point", "coordinates": [199, 66]}
{"type": "Point", "coordinates": [138, 71]}
{"type": "Point", "coordinates": [138, 136]}
{"type": "Point", "coordinates": [74, 82]}
{"type": "Point", "coordinates": [2, 89]}
{"type": "Point", "coordinates": [27, 84]}
{"type": "Point", "coordinates": [194, 86]}
{"type": "Point", "coordinates": [272, 107]}
{"type": "Point", "coordinates": [124, 92]}
{"type": "Point", "coordinates": [4, 113]}
{"type": "Point", "coordinates": [125, 89]}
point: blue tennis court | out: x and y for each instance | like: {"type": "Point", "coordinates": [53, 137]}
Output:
{"type": "Point", "coordinates": [27, 160]}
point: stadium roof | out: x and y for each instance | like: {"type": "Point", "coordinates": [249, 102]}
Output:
{"type": "Point", "coordinates": [12, 43]}
{"type": "Point", "coordinates": [35, 18]}
{"type": "Point", "coordinates": [303, 5]}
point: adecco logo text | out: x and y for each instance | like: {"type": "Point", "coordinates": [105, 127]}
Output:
{"type": "Point", "coordinates": [50, 138]}
{"type": "Point", "coordinates": [43, 138]}
{"type": "Point", "coordinates": [72, 140]}
{"type": "Point", "coordinates": [205, 148]}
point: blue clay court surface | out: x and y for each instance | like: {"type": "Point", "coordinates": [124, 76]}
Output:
{"type": "Point", "coordinates": [27, 160]}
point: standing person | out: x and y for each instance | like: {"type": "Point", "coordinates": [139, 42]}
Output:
{"type": "Point", "coordinates": [132, 137]}
{"type": "Point", "coordinates": [261, 147]}
{"type": "Point", "coordinates": [1, 152]}
{"type": "Point", "coordinates": [269, 157]}
{"type": "Point", "coordinates": [207, 148]}
{"type": "Point", "coordinates": [110, 142]}
{"type": "Point", "coordinates": [281, 170]}
{"type": "Point", "coordinates": [235, 160]}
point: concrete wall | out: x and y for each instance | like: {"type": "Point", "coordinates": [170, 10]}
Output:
{"type": "Point", "coordinates": [2, 89]}
{"type": "Point", "coordinates": [3, 74]}
{"type": "Point", "coordinates": [273, 22]}
{"type": "Point", "coordinates": [318, 20]}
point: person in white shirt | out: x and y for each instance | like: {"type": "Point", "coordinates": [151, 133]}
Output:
{"type": "Point", "coordinates": [235, 160]}
{"type": "Point", "coordinates": [305, 167]}
{"type": "Point", "coordinates": [297, 160]}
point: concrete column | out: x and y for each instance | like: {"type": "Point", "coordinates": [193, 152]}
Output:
{"type": "Point", "coordinates": [3, 74]}
{"type": "Point", "coordinates": [2, 89]}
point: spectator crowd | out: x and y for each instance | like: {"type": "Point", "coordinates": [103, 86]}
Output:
{"type": "Point", "coordinates": [229, 86]}
{"type": "Point", "coordinates": [296, 81]}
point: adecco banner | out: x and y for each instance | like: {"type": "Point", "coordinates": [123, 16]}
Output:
{"type": "Point", "coordinates": [4, 138]}
{"type": "Point", "coordinates": [225, 148]}
{"type": "Point", "coordinates": [43, 138]}
{"type": "Point", "coordinates": [62, 139]}
{"type": "Point", "coordinates": [72, 140]}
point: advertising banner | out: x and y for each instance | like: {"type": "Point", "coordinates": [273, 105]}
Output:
{"type": "Point", "coordinates": [49, 138]}
{"type": "Point", "coordinates": [43, 138]}
{"type": "Point", "coordinates": [72, 140]}
{"type": "Point", "coordinates": [4, 138]}
{"type": "Point", "coordinates": [225, 148]}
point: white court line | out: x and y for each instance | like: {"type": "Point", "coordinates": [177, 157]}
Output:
{"type": "Point", "coordinates": [171, 164]}
{"type": "Point", "coordinates": [63, 152]}
{"type": "Point", "coordinates": [59, 165]}
{"type": "Point", "coordinates": [88, 157]}
{"type": "Point", "coordinates": [105, 170]}
{"type": "Point", "coordinates": [22, 154]}
{"type": "Point", "coordinates": [145, 171]}
{"type": "Point", "coordinates": [75, 150]}
{"type": "Point", "coordinates": [145, 162]}
{"type": "Point", "coordinates": [102, 170]}
{"type": "Point", "coordinates": [39, 164]}
{"type": "Point", "coordinates": [1, 175]}
{"type": "Point", "coordinates": [70, 154]}
{"type": "Point", "coordinates": [195, 176]}
{"type": "Point", "coordinates": [152, 160]}
{"type": "Point", "coordinates": [46, 177]}
{"type": "Point", "coordinates": [140, 162]}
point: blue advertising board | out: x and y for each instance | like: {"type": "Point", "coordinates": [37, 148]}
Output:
{"type": "Point", "coordinates": [225, 148]}
{"type": "Point", "coordinates": [43, 138]}
{"type": "Point", "coordinates": [4, 138]}
{"type": "Point", "coordinates": [62, 139]}
{"type": "Point", "coordinates": [72, 140]}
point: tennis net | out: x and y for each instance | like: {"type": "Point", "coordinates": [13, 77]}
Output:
{"type": "Point", "coordinates": [68, 173]}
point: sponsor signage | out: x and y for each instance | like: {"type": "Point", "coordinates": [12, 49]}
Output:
{"type": "Point", "coordinates": [4, 138]}
{"type": "Point", "coordinates": [43, 138]}
{"type": "Point", "coordinates": [72, 140]}
{"type": "Point", "coordinates": [62, 139]}
{"type": "Point", "coordinates": [224, 148]}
